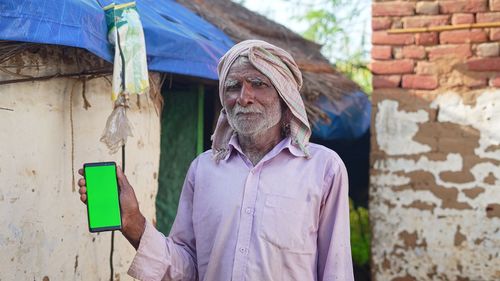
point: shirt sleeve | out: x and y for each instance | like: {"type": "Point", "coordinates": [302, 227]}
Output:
{"type": "Point", "coordinates": [334, 246]}
{"type": "Point", "coordinates": [173, 257]}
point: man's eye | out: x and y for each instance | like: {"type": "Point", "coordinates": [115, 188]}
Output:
{"type": "Point", "coordinates": [233, 87]}
{"type": "Point", "coordinates": [258, 83]}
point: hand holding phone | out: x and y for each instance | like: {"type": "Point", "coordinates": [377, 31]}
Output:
{"type": "Point", "coordinates": [133, 222]}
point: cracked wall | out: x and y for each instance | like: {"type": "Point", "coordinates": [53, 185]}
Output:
{"type": "Point", "coordinates": [435, 146]}
{"type": "Point", "coordinates": [434, 188]}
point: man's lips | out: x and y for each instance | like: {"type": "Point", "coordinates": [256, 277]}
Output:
{"type": "Point", "coordinates": [248, 113]}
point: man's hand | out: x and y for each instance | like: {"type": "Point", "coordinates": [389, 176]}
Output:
{"type": "Point", "coordinates": [132, 219]}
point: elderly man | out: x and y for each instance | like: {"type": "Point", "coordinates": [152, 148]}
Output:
{"type": "Point", "coordinates": [263, 204]}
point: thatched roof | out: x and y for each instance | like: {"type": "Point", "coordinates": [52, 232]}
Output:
{"type": "Point", "coordinates": [239, 23]}
{"type": "Point", "coordinates": [25, 62]}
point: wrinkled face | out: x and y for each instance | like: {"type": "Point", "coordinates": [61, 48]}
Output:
{"type": "Point", "coordinates": [252, 103]}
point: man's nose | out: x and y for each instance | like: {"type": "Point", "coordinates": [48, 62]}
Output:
{"type": "Point", "coordinates": [246, 95]}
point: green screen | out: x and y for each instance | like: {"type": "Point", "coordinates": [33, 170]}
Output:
{"type": "Point", "coordinates": [102, 196]}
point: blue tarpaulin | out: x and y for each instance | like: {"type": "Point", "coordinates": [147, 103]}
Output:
{"type": "Point", "coordinates": [177, 40]}
{"type": "Point", "coordinates": [350, 117]}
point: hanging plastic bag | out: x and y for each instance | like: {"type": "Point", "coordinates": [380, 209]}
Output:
{"type": "Point", "coordinates": [117, 126]}
{"type": "Point", "coordinates": [130, 72]}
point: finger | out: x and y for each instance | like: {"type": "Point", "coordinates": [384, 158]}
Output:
{"type": "Point", "coordinates": [83, 198]}
{"type": "Point", "coordinates": [122, 179]}
{"type": "Point", "coordinates": [81, 182]}
{"type": "Point", "coordinates": [80, 171]}
{"type": "Point", "coordinates": [82, 190]}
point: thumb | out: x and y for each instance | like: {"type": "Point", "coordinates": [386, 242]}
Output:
{"type": "Point", "coordinates": [122, 179]}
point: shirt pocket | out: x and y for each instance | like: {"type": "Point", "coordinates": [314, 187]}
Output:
{"type": "Point", "coordinates": [285, 223]}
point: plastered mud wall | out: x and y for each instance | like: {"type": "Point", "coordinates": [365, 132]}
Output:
{"type": "Point", "coordinates": [46, 136]}
{"type": "Point", "coordinates": [435, 160]}
{"type": "Point", "coordinates": [434, 188]}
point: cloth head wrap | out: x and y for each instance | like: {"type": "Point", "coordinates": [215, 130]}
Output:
{"type": "Point", "coordinates": [281, 69]}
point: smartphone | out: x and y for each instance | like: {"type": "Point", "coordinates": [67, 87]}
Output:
{"type": "Point", "coordinates": [103, 198]}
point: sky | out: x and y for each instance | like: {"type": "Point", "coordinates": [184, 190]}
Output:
{"type": "Point", "coordinates": [281, 11]}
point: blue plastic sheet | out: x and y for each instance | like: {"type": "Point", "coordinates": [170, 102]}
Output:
{"type": "Point", "coordinates": [350, 117]}
{"type": "Point", "coordinates": [177, 40]}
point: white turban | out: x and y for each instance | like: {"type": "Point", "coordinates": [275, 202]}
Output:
{"type": "Point", "coordinates": [281, 69]}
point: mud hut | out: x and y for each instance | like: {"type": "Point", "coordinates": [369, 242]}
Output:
{"type": "Point", "coordinates": [55, 98]}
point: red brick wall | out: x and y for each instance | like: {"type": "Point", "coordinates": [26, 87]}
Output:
{"type": "Point", "coordinates": [398, 59]}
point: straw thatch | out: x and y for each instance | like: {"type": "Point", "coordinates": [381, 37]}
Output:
{"type": "Point", "coordinates": [23, 62]}
{"type": "Point", "coordinates": [239, 23]}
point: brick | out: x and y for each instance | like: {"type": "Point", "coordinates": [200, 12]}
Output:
{"type": "Point", "coordinates": [462, 18]}
{"type": "Point", "coordinates": [484, 64]}
{"type": "Point", "coordinates": [463, 36]}
{"type": "Point", "coordinates": [426, 21]}
{"type": "Point", "coordinates": [382, 38]}
{"type": "Point", "coordinates": [381, 23]}
{"type": "Point", "coordinates": [427, 8]}
{"type": "Point", "coordinates": [392, 67]}
{"type": "Point", "coordinates": [458, 51]}
{"type": "Point", "coordinates": [414, 52]}
{"type": "Point", "coordinates": [494, 5]}
{"type": "Point", "coordinates": [394, 8]}
{"type": "Point", "coordinates": [463, 6]}
{"type": "Point", "coordinates": [425, 67]}
{"type": "Point", "coordinates": [495, 82]}
{"type": "Point", "coordinates": [421, 82]}
{"type": "Point", "coordinates": [495, 34]}
{"type": "Point", "coordinates": [488, 50]}
{"type": "Point", "coordinates": [381, 52]}
{"type": "Point", "coordinates": [487, 17]}
{"type": "Point", "coordinates": [386, 81]}
{"type": "Point", "coordinates": [427, 38]}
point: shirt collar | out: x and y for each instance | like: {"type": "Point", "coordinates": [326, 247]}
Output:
{"type": "Point", "coordinates": [285, 143]}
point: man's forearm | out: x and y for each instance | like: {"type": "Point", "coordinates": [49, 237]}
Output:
{"type": "Point", "coordinates": [160, 258]}
{"type": "Point", "coordinates": [133, 228]}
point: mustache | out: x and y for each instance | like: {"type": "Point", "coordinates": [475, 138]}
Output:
{"type": "Point", "coordinates": [240, 109]}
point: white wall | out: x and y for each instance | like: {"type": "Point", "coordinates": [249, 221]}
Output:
{"type": "Point", "coordinates": [44, 229]}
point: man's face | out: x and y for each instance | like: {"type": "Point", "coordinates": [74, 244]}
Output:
{"type": "Point", "coordinates": [251, 101]}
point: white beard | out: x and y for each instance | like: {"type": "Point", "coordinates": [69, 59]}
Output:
{"type": "Point", "coordinates": [257, 122]}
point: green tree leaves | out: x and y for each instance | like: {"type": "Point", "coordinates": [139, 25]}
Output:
{"type": "Point", "coordinates": [336, 24]}
{"type": "Point", "coordinates": [360, 234]}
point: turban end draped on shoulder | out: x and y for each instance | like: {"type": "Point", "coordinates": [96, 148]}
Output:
{"type": "Point", "coordinates": [281, 69]}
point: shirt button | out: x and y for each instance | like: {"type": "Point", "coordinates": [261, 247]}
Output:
{"type": "Point", "coordinates": [248, 210]}
{"type": "Point", "coordinates": [242, 250]}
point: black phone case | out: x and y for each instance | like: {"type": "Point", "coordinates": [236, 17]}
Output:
{"type": "Point", "coordinates": [107, 228]}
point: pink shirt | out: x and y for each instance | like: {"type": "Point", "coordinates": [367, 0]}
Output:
{"type": "Point", "coordinates": [286, 218]}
